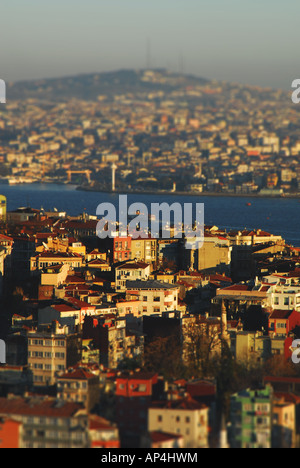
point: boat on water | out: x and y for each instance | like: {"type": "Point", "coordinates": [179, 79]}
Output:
{"type": "Point", "coordinates": [16, 180]}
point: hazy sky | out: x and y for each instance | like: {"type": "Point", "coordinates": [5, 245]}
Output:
{"type": "Point", "coordinates": [247, 41]}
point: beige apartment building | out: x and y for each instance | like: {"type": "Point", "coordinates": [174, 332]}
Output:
{"type": "Point", "coordinates": [185, 417]}
{"type": "Point", "coordinates": [214, 254]}
{"type": "Point", "coordinates": [48, 259]}
{"type": "Point", "coordinates": [144, 250]}
{"type": "Point", "coordinates": [155, 297]}
{"type": "Point", "coordinates": [79, 385]}
{"type": "Point", "coordinates": [50, 353]}
{"type": "Point", "coordinates": [55, 275]}
{"type": "Point", "coordinates": [284, 424]}
{"type": "Point", "coordinates": [47, 422]}
{"type": "Point", "coordinates": [247, 237]}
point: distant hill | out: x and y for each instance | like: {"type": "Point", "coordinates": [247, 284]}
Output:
{"type": "Point", "coordinates": [90, 86]}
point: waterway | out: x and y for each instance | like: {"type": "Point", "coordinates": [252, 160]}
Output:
{"type": "Point", "coordinates": [280, 216]}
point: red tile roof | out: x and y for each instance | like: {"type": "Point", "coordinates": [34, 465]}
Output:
{"type": "Point", "coordinates": [280, 314]}
{"type": "Point", "coordinates": [187, 403]}
{"type": "Point", "coordinates": [97, 422]}
{"type": "Point", "coordinates": [77, 374]}
{"type": "Point", "coordinates": [37, 406]}
{"type": "Point", "coordinates": [157, 436]}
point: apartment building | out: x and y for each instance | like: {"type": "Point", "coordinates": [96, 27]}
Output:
{"type": "Point", "coordinates": [79, 385]}
{"type": "Point", "coordinates": [110, 336]}
{"type": "Point", "coordinates": [66, 314]}
{"type": "Point", "coordinates": [283, 423]}
{"type": "Point", "coordinates": [45, 422]}
{"type": "Point", "coordinates": [215, 253]}
{"type": "Point", "coordinates": [102, 433]}
{"type": "Point", "coordinates": [55, 275]}
{"type": "Point", "coordinates": [155, 297]}
{"type": "Point", "coordinates": [251, 418]}
{"type": "Point", "coordinates": [284, 297]}
{"type": "Point", "coordinates": [7, 243]}
{"type": "Point", "coordinates": [122, 249]}
{"type": "Point", "coordinates": [2, 258]}
{"type": "Point", "coordinates": [130, 271]}
{"type": "Point", "coordinates": [144, 250]}
{"type": "Point", "coordinates": [247, 237]}
{"type": "Point", "coordinates": [250, 346]}
{"type": "Point", "coordinates": [51, 352]}
{"type": "Point", "coordinates": [45, 260]}
{"type": "Point", "coordinates": [10, 433]}
{"type": "Point", "coordinates": [282, 322]}
{"type": "Point", "coordinates": [182, 416]}
{"type": "Point", "coordinates": [134, 392]}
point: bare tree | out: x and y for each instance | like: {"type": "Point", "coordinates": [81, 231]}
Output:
{"type": "Point", "coordinates": [200, 343]}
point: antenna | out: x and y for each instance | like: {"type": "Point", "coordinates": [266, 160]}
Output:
{"type": "Point", "coordinates": [181, 63]}
{"type": "Point", "coordinates": [148, 54]}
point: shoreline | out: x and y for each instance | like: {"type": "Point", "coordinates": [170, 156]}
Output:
{"type": "Point", "coordinates": [190, 194]}
{"type": "Point", "coordinates": [83, 188]}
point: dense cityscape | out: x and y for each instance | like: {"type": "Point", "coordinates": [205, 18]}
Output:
{"type": "Point", "coordinates": [165, 132]}
{"type": "Point", "coordinates": [140, 342]}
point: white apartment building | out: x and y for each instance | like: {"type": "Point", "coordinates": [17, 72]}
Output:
{"type": "Point", "coordinates": [155, 297]}
{"type": "Point", "coordinates": [283, 291]}
{"type": "Point", "coordinates": [130, 271]}
{"type": "Point", "coordinates": [284, 297]}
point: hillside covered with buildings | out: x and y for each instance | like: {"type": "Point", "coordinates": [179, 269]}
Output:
{"type": "Point", "coordinates": [139, 342]}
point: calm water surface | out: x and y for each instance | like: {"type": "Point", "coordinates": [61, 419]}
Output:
{"type": "Point", "coordinates": [279, 216]}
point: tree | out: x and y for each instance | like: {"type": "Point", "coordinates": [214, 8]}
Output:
{"type": "Point", "coordinates": [200, 343]}
{"type": "Point", "coordinates": [163, 355]}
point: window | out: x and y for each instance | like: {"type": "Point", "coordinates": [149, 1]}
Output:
{"type": "Point", "coordinates": [276, 300]}
{"type": "Point", "coordinates": [159, 418]}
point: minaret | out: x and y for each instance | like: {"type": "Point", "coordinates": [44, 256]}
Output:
{"type": "Point", "coordinates": [223, 442]}
{"type": "Point", "coordinates": [113, 183]}
{"type": "Point", "coordinates": [224, 332]}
